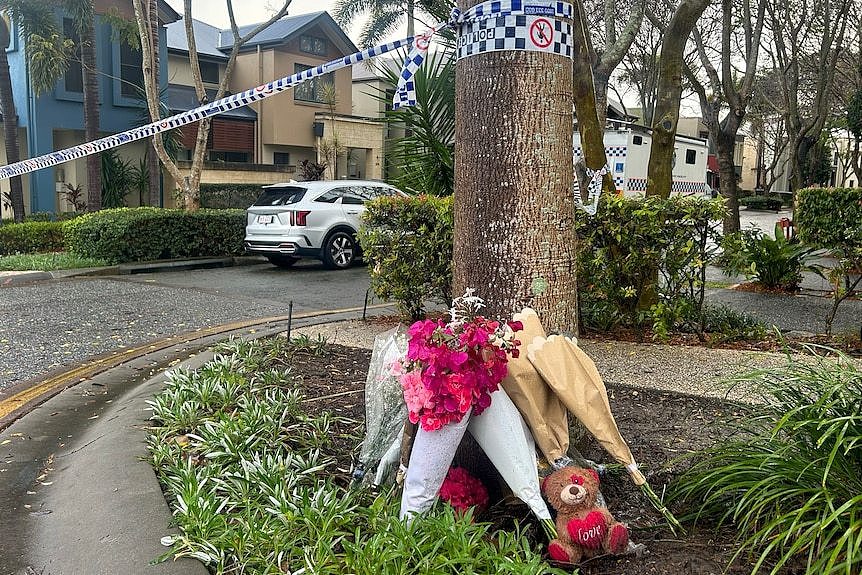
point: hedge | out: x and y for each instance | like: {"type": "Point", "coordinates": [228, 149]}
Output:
{"type": "Point", "coordinates": [31, 238]}
{"type": "Point", "coordinates": [142, 234]}
{"type": "Point", "coordinates": [761, 203]}
{"type": "Point", "coordinates": [829, 218]}
{"type": "Point", "coordinates": [407, 243]}
{"type": "Point", "coordinates": [227, 196]}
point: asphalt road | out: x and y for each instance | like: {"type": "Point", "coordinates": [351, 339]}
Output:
{"type": "Point", "coordinates": [47, 325]}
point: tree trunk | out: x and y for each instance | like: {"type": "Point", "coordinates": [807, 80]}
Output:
{"type": "Point", "coordinates": [669, 95]}
{"type": "Point", "coordinates": [154, 171]}
{"type": "Point", "coordinates": [590, 119]}
{"type": "Point", "coordinates": [514, 210]}
{"type": "Point", "coordinates": [725, 145]}
{"type": "Point", "coordinates": [91, 112]}
{"type": "Point", "coordinates": [10, 125]}
{"type": "Point", "coordinates": [411, 17]}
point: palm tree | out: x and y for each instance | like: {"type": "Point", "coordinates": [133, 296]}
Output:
{"type": "Point", "coordinates": [10, 124]}
{"type": "Point", "coordinates": [49, 56]}
{"type": "Point", "coordinates": [385, 16]}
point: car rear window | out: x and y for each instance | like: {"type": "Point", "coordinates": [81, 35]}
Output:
{"type": "Point", "coordinates": [280, 196]}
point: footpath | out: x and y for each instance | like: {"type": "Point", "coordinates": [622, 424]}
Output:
{"type": "Point", "coordinates": [77, 496]}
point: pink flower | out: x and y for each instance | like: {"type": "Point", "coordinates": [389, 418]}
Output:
{"type": "Point", "coordinates": [462, 491]}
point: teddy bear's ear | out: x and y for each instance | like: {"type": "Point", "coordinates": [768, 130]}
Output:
{"type": "Point", "coordinates": [594, 474]}
{"type": "Point", "coordinates": [543, 487]}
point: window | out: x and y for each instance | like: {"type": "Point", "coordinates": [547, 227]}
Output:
{"type": "Point", "coordinates": [311, 90]}
{"type": "Point", "coordinates": [331, 196]}
{"type": "Point", "coordinates": [131, 72]}
{"type": "Point", "coordinates": [637, 140]}
{"type": "Point", "coordinates": [313, 45]}
{"type": "Point", "coordinates": [281, 158]}
{"type": "Point", "coordinates": [280, 196]}
{"type": "Point", "coordinates": [690, 156]}
{"type": "Point", "coordinates": [238, 157]}
{"type": "Point", "coordinates": [73, 80]}
{"type": "Point", "coordinates": [209, 72]}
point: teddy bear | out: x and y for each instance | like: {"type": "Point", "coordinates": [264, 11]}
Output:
{"type": "Point", "coordinates": [583, 529]}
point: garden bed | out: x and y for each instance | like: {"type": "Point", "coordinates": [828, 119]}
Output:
{"type": "Point", "coordinates": [659, 426]}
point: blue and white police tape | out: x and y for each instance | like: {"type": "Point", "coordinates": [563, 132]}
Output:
{"type": "Point", "coordinates": [594, 190]}
{"type": "Point", "coordinates": [536, 17]}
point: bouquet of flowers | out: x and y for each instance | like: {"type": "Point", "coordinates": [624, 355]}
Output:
{"type": "Point", "coordinates": [462, 491]}
{"type": "Point", "coordinates": [453, 367]}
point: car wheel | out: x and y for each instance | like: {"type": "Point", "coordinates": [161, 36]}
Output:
{"type": "Point", "coordinates": [282, 261]}
{"type": "Point", "coordinates": [339, 251]}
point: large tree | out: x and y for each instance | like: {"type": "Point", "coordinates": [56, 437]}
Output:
{"type": "Point", "coordinates": [669, 95]}
{"type": "Point", "coordinates": [144, 14]}
{"type": "Point", "coordinates": [10, 124]}
{"type": "Point", "coordinates": [728, 59]}
{"type": "Point", "coordinates": [514, 211]}
{"type": "Point", "coordinates": [806, 41]}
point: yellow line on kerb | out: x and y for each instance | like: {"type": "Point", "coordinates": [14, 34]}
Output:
{"type": "Point", "coordinates": [81, 372]}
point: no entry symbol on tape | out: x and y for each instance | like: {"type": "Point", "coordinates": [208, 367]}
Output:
{"type": "Point", "coordinates": [541, 32]}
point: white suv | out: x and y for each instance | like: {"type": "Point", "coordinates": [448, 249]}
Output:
{"type": "Point", "coordinates": [310, 219]}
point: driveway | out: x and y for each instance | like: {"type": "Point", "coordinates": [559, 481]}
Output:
{"type": "Point", "coordinates": [51, 324]}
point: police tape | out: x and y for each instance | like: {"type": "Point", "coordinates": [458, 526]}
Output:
{"type": "Point", "coordinates": [530, 25]}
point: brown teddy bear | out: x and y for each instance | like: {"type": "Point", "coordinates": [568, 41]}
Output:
{"type": "Point", "coordinates": [583, 529]}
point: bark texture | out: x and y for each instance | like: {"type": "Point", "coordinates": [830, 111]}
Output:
{"type": "Point", "coordinates": [514, 209]}
{"type": "Point", "coordinates": [153, 171]}
{"type": "Point", "coordinates": [669, 95]}
{"type": "Point", "coordinates": [91, 112]}
{"type": "Point", "coordinates": [10, 125]}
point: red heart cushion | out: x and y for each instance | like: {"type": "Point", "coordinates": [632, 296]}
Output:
{"type": "Point", "coordinates": [589, 531]}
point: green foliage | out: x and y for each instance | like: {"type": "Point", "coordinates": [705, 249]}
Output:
{"type": "Point", "coordinates": [789, 480]}
{"type": "Point", "coordinates": [49, 54]}
{"type": "Point", "coordinates": [142, 234]}
{"type": "Point", "coordinates": [854, 115]}
{"type": "Point", "coordinates": [31, 237]}
{"type": "Point", "coordinates": [761, 203]}
{"type": "Point", "coordinates": [725, 324]}
{"type": "Point", "coordinates": [774, 262]}
{"type": "Point", "coordinates": [118, 179]}
{"type": "Point", "coordinates": [424, 159]}
{"type": "Point", "coordinates": [224, 196]}
{"type": "Point", "coordinates": [831, 219]}
{"type": "Point", "coordinates": [816, 167]}
{"type": "Point", "coordinates": [48, 261]}
{"type": "Point", "coordinates": [407, 243]}
{"type": "Point", "coordinates": [622, 248]}
{"type": "Point", "coordinates": [248, 472]}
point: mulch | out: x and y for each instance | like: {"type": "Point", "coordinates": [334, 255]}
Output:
{"type": "Point", "coordinates": [660, 427]}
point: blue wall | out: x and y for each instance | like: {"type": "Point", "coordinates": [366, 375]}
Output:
{"type": "Point", "coordinates": [58, 110]}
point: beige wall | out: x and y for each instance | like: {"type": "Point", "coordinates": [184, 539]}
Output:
{"type": "Point", "coordinates": [366, 94]}
{"type": "Point", "coordinates": [748, 181]}
{"type": "Point", "coordinates": [284, 120]}
{"type": "Point", "coordinates": [180, 71]}
{"type": "Point", "coordinates": [355, 134]}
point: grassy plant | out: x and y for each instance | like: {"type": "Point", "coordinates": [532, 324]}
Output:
{"type": "Point", "coordinates": [791, 481]}
{"type": "Point", "coordinates": [252, 482]}
{"type": "Point", "coordinates": [774, 262]}
{"type": "Point", "coordinates": [47, 262]}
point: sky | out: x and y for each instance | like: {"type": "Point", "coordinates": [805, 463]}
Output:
{"type": "Point", "coordinates": [252, 11]}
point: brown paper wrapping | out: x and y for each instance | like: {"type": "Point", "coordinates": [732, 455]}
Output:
{"type": "Point", "coordinates": [573, 376]}
{"type": "Point", "coordinates": [544, 413]}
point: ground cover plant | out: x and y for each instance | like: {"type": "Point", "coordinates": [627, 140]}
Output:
{"type": "Point", "coordinates": [257, 477]}
{"type": "Point", "coordinates": [47, 262]}
{"type": "Point", "coordinates": [253, 495]}
{"type": "Point", "coordinates": [789, 479]}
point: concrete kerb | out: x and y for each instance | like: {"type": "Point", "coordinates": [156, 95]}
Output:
{"type": "Point", "coordinates": [76, 494]}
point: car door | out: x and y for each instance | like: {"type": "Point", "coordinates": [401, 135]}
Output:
{"type": "Point", "coordinates": [353, 204]}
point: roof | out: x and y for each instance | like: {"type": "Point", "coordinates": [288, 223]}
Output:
{"type": "Point", "coordinates": [206, 38]}
{"type": "Point", "coordinates": [280, 31]}
{"type": "Point", "coordinates": [182, 98]}
{"type": "Point", "coordinates": [216, 43]}
{"type": "Point", "coordinates": [167, 14]}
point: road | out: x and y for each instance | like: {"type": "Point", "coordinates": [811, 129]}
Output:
{"type": "Point", "coordinates": [48, 325]}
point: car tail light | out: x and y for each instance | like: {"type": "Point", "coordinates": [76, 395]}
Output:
{"type": "Point", "coordinates": [298, 218]}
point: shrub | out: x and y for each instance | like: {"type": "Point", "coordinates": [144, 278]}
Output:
{"type": "Point", "coordinates": [775, 263]}
{"type": "Point", "coordinates": [407, 243]}
{"type": "Point", "coordinates": [226, 196]}
{"type": "Point", "coordinates": [633, 241]}
{"type": "Point", "coordinates": [761, 203]}
{"type": "Point", "coordinates": [789, 480]}
{"type": "Point", "coordinates": [140, 234]}
{"type": "Point", "coordinates": [31, 238]}
{"type": "Point", "coordinates": [832, 219]}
